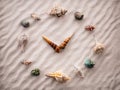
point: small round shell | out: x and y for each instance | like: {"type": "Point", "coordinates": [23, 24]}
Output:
{"type": "Point", "coordinates": [25, 23]}
{"type": "Point", "coordinates": [99, 48]}
{"type": "Point", "coordinates": [78, 15]}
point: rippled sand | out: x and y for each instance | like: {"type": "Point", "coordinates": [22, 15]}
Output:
{"type": "Point", "coordinates": [104, 14]}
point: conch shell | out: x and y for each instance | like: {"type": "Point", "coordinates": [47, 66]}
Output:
{"type": "Point", "coordinates": [58, 76]}
{"type": "Point", "coordinates": [58, 11]}
{"type": "Point", "coordinates": [99, 48]}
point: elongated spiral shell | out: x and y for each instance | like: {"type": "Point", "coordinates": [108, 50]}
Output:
{"type": "Point", "coordinates": [52, 44]}
{"type": "Point", "coordinates": [65, 42]}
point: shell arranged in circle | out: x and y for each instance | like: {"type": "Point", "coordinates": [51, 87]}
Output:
{"type": "Point", "coordinates": [99, 48]}
{"type": "Point", "coordinates": [89, 63]}
{"type": "Point", "coordinates": [58, 76]}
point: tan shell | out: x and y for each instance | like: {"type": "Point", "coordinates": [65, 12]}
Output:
{"type": "Point", "coordinates": [52, 44]}
{"type": "Point", "coordinates": [58, 11]}
{"type": "Point", "coordinates": [26, 62]}
{"type": "Point", "coordinates": [58, 76]}
{"type": "Point", "coordinates": [35, 16]}
{"type": "Point", "coordinates": [99, 48]}
{"type": "Point", "coordinates": [65, 42]}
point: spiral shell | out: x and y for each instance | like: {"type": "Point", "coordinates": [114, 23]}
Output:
{"type": "Point", "coordinates": [52, 44]}
{"type": "Point", "coordinates": [99, 48]}
{"type": "Point", "coordinates": [65, 42]}
{"type": "Point", "coordinates": [58, 76]}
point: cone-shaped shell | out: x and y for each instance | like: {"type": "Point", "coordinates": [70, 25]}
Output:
{"type": "Point", "coordinates": [65, 42]}
{"type": "Point", "coordinates": [52, 44]}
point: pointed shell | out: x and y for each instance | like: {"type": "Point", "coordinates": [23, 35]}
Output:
{"type": "Point", "coordinates": [52, 44]}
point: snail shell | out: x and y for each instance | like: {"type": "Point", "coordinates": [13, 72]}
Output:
{"type": "Point", "coordinates": [99, 48]}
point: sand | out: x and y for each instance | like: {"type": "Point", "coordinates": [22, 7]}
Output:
{"type": "Point", "coordinates": [104, 14]}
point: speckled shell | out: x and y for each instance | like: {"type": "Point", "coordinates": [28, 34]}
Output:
{"type": "Point", "coordinates": [58, 11]}
{"type": "Point", "coordinates": [89, 28]}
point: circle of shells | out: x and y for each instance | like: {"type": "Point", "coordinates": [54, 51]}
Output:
{"type": "Point", "coordinates": [58, 11]}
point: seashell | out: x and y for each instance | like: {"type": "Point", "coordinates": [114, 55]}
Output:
{"type": "Point", "coordinates": [58, 76]}
{"type": "Point", "coordinates": [89, 28]}
{"type": "Point", "coordinates": [35, 16]}
{"type": "Point", "coordinates": [25, 23]}
{"type": "Point", "coordinates": [35, 72]}
{"type": "Point", "coordinates": [88, 63]}
{"type": "Point", "coordinates": [23, 41]}
{"type": "Point", "coordinates": [99, 48]}
{"type": "Point", "coordinates": [58, 11]}
{"type": "Point", "coordinates": [65, 42]}
{"type": "Point", "coordinates": [25, 62]}
{"type": "Point", "coordinates": [79, 71]}
{"type": "Point", "coordinates": [52, 44]}
{"type": "Point", "coordinates": [78, 15]}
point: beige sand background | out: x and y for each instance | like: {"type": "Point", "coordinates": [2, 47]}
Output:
{"type": "Point", "coordinates": [104, 14]}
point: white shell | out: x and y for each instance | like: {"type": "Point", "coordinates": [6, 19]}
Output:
{"type": "Point", "coordinates": [23, 41]}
